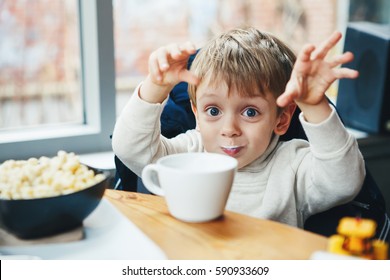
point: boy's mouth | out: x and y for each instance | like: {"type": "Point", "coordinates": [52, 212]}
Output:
{"type": "Point", "coordinates": [231, 150]}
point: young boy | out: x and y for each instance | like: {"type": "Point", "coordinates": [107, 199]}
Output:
{"type": "Point", "coordinates": [244, 89]}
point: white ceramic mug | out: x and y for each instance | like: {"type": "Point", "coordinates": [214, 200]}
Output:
{"type": "Point", "coordinates": [196, 186]}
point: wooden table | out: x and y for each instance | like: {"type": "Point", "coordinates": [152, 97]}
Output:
{"type": "Point", "coordinates": [233, 236]}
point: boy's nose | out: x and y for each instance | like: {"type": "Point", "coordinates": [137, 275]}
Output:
{"type": "Point", "coordinates": [230, 127]}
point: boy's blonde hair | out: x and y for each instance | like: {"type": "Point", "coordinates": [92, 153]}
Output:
{"type": "Point", "coordinates": [245, 59]}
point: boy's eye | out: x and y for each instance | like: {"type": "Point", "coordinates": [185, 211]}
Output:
{"type": "Point", "coordinates": [212, 111]}
{"type": "Point", "coordinates": [250, 112]}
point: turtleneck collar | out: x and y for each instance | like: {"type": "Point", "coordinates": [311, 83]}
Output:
{"type": "Point", "coordinates": [261, 161]}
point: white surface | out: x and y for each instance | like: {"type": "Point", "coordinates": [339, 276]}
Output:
{"type": "Point", "coordinates": [108, 235]}
{"type": "Point", "coordinates": [103, 160]}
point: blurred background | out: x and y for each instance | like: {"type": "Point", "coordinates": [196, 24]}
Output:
{"type": "Point", "coordinates": [40, 68]}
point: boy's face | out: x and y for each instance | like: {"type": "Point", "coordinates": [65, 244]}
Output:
{"type": "Point", "coordinates": [237, 126]}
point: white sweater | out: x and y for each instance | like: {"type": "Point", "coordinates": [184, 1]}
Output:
{"type": "Point", "coordinates": [288, 183]}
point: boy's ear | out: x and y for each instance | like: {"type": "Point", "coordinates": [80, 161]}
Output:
{"type": "Point", "coordinates": [195, 111]}
{"type": "Point", "coordinates": [193, 107]}
{"type": "Point", "coordinates": [285, 119]}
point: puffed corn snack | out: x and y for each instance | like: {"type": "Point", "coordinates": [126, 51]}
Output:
{"type": "Point", "coordinates": [45, 177]}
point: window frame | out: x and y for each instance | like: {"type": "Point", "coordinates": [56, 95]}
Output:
{"type": "Point", "coordinates": [98, 89]}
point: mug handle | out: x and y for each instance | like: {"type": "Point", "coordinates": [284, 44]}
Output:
{"type": "Point", "coordinates": [147, 179]}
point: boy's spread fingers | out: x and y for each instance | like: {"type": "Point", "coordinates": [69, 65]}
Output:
{"type": "Point", "coordinates": [189, 77]}
{"type": "Point", "coordinates": [173, 49]}
{"type": "Point", "coordinates": [284, 99]}
{"type": "Point", "coordinates": [341, 59]}
{"type": "Point", "coordinates": [337, 60]}
{"type": "Point", "coordinates": [306, 52]}
{"type": "Point", "coordinates": [178, 51]}
{"type": "Point", "coordinates": [280, 101]}
{"type": "Point", "coordinates": [154, 67]}
{"type": "Point", "coordinates": [324, 48]}
{"type": "Point", "coordinates": [162, 60]}
{"type": "Point", "coordinates": [156, 73]}
{"type": "Point", "coordinates": [188, 47]}
{"type": "Point", "coordinates": [346, 73]}
{"type": "Point", "coordinates": [288, 95]}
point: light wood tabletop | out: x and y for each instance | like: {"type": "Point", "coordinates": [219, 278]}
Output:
{"type": "Point", "coordinates": [232, 236]}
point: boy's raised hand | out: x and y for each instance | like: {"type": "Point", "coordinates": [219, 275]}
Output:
{"type": "Point", "coordinates": [167, 67]}
{"type": "Point", "coordinates": [312, 75]}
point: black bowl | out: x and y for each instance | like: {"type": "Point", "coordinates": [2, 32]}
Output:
{"type": "Point", "coordinates": [41, 217]}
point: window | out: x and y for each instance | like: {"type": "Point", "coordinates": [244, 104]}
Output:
{"type": "Point", "coordinates": [154, 23]}
{"type": "Point", "coordinates": [91, 127]}
{"type": "Point", "coordinates": [40, 65]}
{"type": "Point", "coordinates": [369, 10]}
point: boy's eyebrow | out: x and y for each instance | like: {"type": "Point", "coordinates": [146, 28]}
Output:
{"type": "Point", "coordinates": [262, 99]}
{"type": "Point", "coordinates": [212, 94]}
{"type": "Point", "coordinates": [208, 94]}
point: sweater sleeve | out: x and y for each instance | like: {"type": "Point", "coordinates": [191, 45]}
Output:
{"type": "Point", "coordinates": [332, 171]}
{"type": "Point", "coordinates": [137, 139]}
